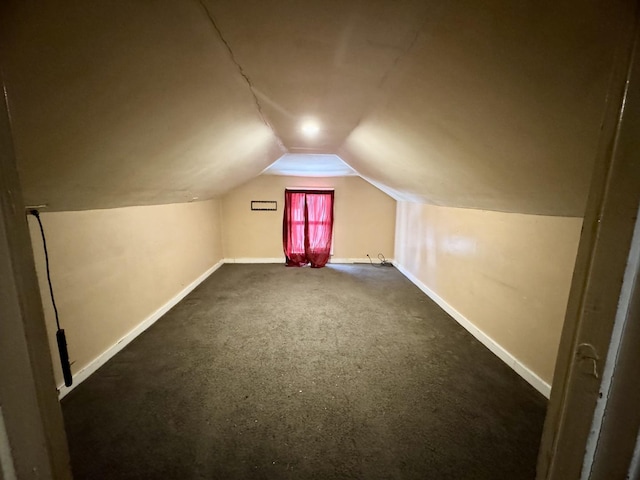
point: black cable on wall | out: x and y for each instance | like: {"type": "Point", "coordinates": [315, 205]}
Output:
{"type": "Point", "coordinates": [60, 335]}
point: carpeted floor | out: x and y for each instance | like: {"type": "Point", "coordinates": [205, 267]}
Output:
{"type": "Point", "coordinates": [268, 372]}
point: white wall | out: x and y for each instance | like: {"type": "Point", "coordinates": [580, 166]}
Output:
{"type": "Point", "coordinates": [112, 269]}
{"type": "Point", "coordinates": [364, 218]}
{"type": "Point", "coordinates": [508, 274]}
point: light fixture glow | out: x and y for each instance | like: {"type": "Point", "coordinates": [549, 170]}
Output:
{"type": "Point", "coordinates": [310, 128]}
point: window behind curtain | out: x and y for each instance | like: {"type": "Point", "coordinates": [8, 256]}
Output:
{"type": "Point", "coordinates": [307, 227]}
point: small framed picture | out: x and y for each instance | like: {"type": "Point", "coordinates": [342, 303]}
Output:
{"type": "Point", "coordinates": [264, 205]}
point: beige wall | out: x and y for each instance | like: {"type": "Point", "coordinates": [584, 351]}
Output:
{"type": "Point", "coordinates": [508, 274]}
{"type": "Point", "coordinates": [111, 269]}
{"type": "Point", "coordinates": [364, 218]}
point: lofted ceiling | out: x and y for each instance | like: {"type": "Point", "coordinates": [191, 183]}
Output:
{"type": "Point", "coordinates": [493, 105]}
{"type": "Point", "coordinates": [310, 165]}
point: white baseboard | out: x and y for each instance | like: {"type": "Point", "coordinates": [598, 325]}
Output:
{"type": "Point", "coordinates": [505, 356]}
{"type": "Point", "coordinates": [354, 260]}
{"type": "Point", "coordinates": [86, 371]}
{"type": "Point", "coordinates": [536, 382]}
{"type": "Point", "coordinates": [281, 260]}
{"type": "Point", "coordinates": [254, 260]}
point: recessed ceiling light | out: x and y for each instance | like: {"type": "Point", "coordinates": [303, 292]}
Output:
{"type": "Point", "coordinates": [310, 128]}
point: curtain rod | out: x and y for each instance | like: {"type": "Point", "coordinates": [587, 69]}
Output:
{"type": "Point", "coordinates": [309, 188]}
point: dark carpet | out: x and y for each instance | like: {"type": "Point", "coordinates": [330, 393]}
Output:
{"type": "Point", "coordinates": [271, 372]}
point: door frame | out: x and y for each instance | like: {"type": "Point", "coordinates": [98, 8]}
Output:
{"type": "Point", "coordinates": [578, 438]}
{"type": "Point", "coordinates": [32, 438]}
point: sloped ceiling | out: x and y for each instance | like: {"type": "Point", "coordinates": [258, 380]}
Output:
{"type": "Point", "coordinates": [310, 165]}
{"type": "Point", "coordinates": [492, 105]}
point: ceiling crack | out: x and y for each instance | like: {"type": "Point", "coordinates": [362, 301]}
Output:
{"type": "Point", "coordinates": [385, 78]}
{"type": "Point", "coordinates": [244, 75]}
{"type": "Point", "coordinates": [404, 52]}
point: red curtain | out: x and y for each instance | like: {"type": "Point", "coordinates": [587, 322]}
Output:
{"type": "Point", "coordinates": [307, 227]}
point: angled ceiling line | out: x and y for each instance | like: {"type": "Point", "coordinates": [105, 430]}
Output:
{"type": "Point", "coordinates": [382, 83]}
{"type": "Point", "coordinates": [404, 52]}
{"type": "Point", "coordinates": [241, 71]}
{"type": "Point", "coordinates": [310, 165]}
